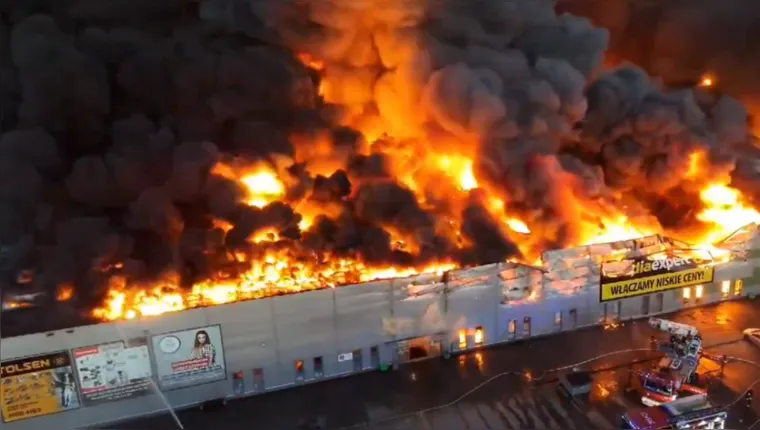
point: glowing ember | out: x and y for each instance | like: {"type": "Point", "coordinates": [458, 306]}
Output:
{"type": "Point", "coordinates": [64, 293]}
{"type": "Point", "coordinates": [707, 81]}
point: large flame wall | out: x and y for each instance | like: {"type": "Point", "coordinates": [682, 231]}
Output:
{"type": "Point", "coordinates": [254, 148]}
{"type": "Point", "coordinates": [272, 333]}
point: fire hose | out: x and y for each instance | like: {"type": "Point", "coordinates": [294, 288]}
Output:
{"type": "Point", "coordinates": [749, 387]}
{"type": "Point", "coordinates": [491, 379]}
{"type": "Point", "coordinates": [542, 376]}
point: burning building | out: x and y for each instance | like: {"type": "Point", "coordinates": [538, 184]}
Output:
{"type": "Point", "coordinates": [257, 346]}
{"type": "Point", "coordinates": [384, 156]}
{"type": "Point", "coordinates": [269, 148]}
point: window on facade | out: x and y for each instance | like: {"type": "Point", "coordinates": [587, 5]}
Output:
{"type": "Point", "coordinates": [238, 383]}
{"type": "Point", "coordinates": [698, 291]}
{"type": "Point", "coordinates": [258, 379]}
{"type": "Point", "coordinates": [526, 326]}
{"type": "Point", "coordinates": [725, 288]}
{"type": "Point", "coordinates": [659, 302]}
{"type": "Point", "coordinates": [478, 335]}
{"type": "Point", "coordinates": [462, 339]}
{"type": "Point", "coordinates": [558, 319]}
{"type": "Point", "coordinates": [358, 360]}
{"type": "Point", "coordinates": [573, 318]}
{"type": "Point", "coordinates": [300, 371]}
{"type": "Point", "coordinates": [686, 294]}
{"type": "Point", "coordinates": [512, 328]}
{"type": "Point", "coordinates": [738, 287]}
{"type": "Point", "coordinates": [645, 305]}
{"type": "Point", "coordinates": [318, 371]}
{"type": "Point", "coordinates": [374, 356]}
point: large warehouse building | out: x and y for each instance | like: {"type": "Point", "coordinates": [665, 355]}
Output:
{"type": "Point", "coordinates": [138, 367]}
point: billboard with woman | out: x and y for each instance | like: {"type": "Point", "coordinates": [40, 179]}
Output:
{"type": "Point", "coordinates": [189, 357]}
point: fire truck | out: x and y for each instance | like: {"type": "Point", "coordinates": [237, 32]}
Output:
{"type": "Point", "coordinates": [676, 372]}
{"type": "Point", "coordinates": [692, 412]}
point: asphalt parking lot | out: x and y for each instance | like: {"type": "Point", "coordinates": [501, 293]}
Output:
{"type": "Point", "coordinates": [480, 390]}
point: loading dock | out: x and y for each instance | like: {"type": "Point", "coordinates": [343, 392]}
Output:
{"type": "Point", "coordinates": [419, 348]}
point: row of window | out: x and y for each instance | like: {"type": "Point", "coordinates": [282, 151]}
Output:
{"type": "Point", "coordinates": [725, 289]}
{"type": "Point", "coordinates": [301, 373]}
{"type": "Point", "coordinates": [526, 328]}
{"type": "Point", "coordinates": [238, 381]}
{"type": "Point", "coordinates": [478, 334]}
{"type": "Point", "coordinates": [659, 298]}
{"type": "Point", "coordinates": [477, 337]}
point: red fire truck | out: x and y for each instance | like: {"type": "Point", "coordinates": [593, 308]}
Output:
{"type": "Point", "coordinates": [676, 372]}
{"type": "Point", "coordinates": [692, 412]}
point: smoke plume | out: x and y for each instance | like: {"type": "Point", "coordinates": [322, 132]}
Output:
{"type": "Point", "coordinates": [193, 139]}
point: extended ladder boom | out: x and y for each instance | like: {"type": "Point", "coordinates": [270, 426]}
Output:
{"type": "Point", "coordinates": [673, 327]}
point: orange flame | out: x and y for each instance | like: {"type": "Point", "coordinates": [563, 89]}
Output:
{"type": "Point", "coordinates": [440, 171]}
{"type": "Point", "coordinates": [65, 293]}
{"type": "Point", "coordinates": [725, 211]}
{"type": "Point", "coordinates": [707, 81]}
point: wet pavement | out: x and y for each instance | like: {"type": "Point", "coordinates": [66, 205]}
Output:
{"type": "Point", "coordinates": [480, 390]}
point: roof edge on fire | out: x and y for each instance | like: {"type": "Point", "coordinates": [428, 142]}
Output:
{"type": "Point", "coordinates": [647, 245]}
{"type": "Point", "coordinates": [562, 272]}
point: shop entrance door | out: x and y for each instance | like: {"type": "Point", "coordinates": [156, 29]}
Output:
{"type": "Point", "coordinates": [645, 305]}
{"type": "Point", "coordinates": [418, 348]}
{"type": "Point", "coordinates": [358, 360]}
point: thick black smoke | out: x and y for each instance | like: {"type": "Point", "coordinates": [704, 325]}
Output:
{"type": "Point", "coordinates": [682, 41]}
{"type": "Point", "coordinates": [114, 114]}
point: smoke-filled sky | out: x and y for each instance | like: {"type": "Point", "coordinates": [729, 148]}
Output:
{"type": "Point", "coordinates": [124, 125]}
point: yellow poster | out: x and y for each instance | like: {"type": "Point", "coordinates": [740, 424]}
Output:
{"type": "Point", "coordinates": [652, 284]}
{"type": "Point", "coordinates": [35, 386]}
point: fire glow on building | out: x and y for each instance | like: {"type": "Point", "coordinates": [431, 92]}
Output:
{"type": "Point", "coordinates": [425, 137]}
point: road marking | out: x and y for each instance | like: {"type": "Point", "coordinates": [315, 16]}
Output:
{"type": "Point", "coordinates": [517, 409]}
{"type": "Point", "coordinates": [556, 403]}
{"type": "Point", "coordinates": [539, 400]}
{"type": "Point", "coordinates": [598, 420]}
{"type": "Point", "coordinates": [552, 424]}
{"type": "Point", "coordinates": [514, 423]}
{"type": "Point", "coordinates": [537, 423]}
{"type": "Point", "coordinates": [446, 418]}
{"type": "Point", "coordinates": [490, 417]}
{"type": "Point", "coordinates": [531, 410]}
{"type": "Point", "coordinates": [472, 418]}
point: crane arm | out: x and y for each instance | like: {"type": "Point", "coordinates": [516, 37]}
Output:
{"type": "Point", "coordinates": [673, 327]}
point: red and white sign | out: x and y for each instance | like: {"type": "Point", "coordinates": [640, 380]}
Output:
{"type": "Point", "coordinates": [113, 371]}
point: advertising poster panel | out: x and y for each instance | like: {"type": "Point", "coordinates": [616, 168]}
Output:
{"type": "Point", "coordinates": [36, 386]}
{"type": "Point", "coordinates": [113, 371]}
{"type": "Point", "coordinates": [189, 357]}
{"type": "Point", "coordinates": [641, 276]}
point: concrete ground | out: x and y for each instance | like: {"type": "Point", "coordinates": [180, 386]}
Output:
{"type": "Point", "coordinates": [480, 390]}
